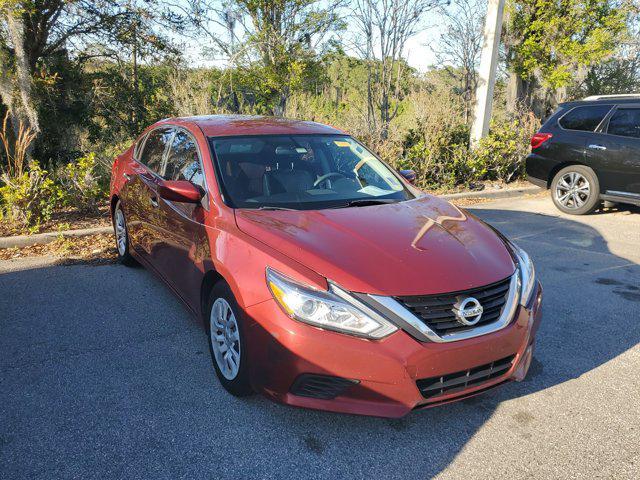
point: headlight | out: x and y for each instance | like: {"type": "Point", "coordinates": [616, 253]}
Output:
{"type": "Point", "coordinates": [334, 309]}
{"type": "Point", "coordinates": [527, 274]}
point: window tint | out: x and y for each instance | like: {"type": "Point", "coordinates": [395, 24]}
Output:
{"type": "Point", "coordinates": [182, 161]}
{"type": "Point", "coordinates": [625, 122]}
{"type": "Point", "coordinates": [584, 118]}
{"type": "Point", "coordinates": [154, 148]}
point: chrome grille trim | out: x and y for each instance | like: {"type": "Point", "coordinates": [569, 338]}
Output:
{"type": "Point", "coordinates": [416, 327]}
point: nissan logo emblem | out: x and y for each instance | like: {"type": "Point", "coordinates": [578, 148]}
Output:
{"type": "Point", "coordinates": [468, 311]}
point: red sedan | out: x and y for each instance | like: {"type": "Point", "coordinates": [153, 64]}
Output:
{"type": "Point", "coordinates": [323, 277]}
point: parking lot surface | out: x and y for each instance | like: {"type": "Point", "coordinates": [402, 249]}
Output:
{"type": "Point", "coordinates": [104, 374]}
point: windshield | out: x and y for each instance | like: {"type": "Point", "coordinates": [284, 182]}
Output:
{"type": "Point", "coordinates": [302, 172]}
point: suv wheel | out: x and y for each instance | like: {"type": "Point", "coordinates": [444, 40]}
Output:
{"type": "Point", "coordinates": [227, 342]}
{"type": "Point", "coordinates": [575, 190]}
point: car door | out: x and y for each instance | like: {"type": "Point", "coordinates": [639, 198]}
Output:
{"type": "Point", "coordinates": [578, 129]}
{"type": "Point", "coordinates": [615, 151]}
{"type": "Point", "coordinates": [129, 168]}
{"type": "Point", "coordinates": [622, 140]}
{"type": "Point", "coordinates": [142, 194]}
{"type": "Point", "coordinates": [181, 243]}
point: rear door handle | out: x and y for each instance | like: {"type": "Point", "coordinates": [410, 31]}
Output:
{"type": "Point", "coordinates": [593, 146]}
{"type": "Point", "coordinates": [154, 201]}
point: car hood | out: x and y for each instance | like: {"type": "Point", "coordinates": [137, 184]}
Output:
{"type": "Point", "coordinates": [418, 247]}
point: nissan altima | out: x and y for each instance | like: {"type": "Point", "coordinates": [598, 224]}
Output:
{"type": "Point", "coordinates": [323, 277]}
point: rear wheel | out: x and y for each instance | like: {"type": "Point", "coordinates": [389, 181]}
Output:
{"type": "Point", "coordinates": [227, 341]}
{"type": "Point", "coordinates": [575, 190]}
{"type": "Point", "coordinates": [122, 236]}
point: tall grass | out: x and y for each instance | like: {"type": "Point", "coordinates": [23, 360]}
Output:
{"type": "Point", "coordinates": [15, 150]}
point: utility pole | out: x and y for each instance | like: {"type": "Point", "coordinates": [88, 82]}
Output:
{"type": "Point", "coordinates": [487, 71]}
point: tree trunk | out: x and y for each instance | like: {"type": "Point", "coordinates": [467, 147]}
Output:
{"type": "Point", "coordinates": [24, 109]}
{"type": "Point", "coordinates": [515, 92]}
{"type": "Point", "coordinates": [135, 112]}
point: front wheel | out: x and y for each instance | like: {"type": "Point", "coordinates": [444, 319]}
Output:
{"type": "Point", "coordinates": [227, 341]}
{"type": "Point", "coordinates": [122, 236]}
{"type": "Point", "coordinates": [575, 190]}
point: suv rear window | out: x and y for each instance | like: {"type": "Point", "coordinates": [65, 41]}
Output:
{"type": "Point", "coordinates": [585, 118]}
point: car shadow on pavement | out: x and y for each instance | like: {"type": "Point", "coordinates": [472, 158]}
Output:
{"type": "Point", "coordinates": [104, 374]}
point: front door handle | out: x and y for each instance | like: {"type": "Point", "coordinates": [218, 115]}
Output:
{"type": "Point", "coordinates": [154, 201]}
{"type": "Point", "coordinates": [593, 146]}
{"type": "Point", "coordinates": [126, 176]}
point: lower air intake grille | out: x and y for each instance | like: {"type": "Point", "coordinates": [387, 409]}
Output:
{"type": "Point", "coordinates": [323, 387]}
{"type": "Point", "coordinates": [454, 382]}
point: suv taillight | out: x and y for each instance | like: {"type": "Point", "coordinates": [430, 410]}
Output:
{"type": "Point", "coordinates": [538, 139]}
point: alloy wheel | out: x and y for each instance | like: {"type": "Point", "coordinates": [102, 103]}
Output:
{"type": "Point", "coordinates": [225, 339]}
{"type": "Point", "coordinates": [572, 190]}
{"type": "Point", "coordinates": [121, 232]}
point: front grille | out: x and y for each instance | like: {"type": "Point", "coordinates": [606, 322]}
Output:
{"type": "Point", "coordinates": [436, 311]}
{"type": "Point", "coordinates": [454, 382]}
{"type": "Point", "coordinates": [323, 387]}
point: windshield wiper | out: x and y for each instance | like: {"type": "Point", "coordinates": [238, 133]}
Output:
{"type": "Point", "coordinates": [363, 202]}
{"type": "Point", "coordinates": [272, 207]}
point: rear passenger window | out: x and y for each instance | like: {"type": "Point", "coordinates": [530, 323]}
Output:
{"type": "Point", "coordinates": [183, 162]}
{"type": "Point", "coordinates": [625, 122]}
{"type": "Point", "coordinates": [585, 118]}
{"type": "Point", "coordinates": [154, 149]}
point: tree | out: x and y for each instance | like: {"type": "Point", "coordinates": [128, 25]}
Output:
{"type": "Point", "coordinates": [383, 28]}
{"type": "Point", "coordinates": [42, 42]}
{"type": "Point", "coordinates": [621, 72]}
{"type": "Point", "coordinates": [277, 41]}
{"type": "Point", "coordinates": [15, 64]}
{"type": "Point", "coordinates": [549, 43]}
{"type": "Point", "coordinates": [458, 50]}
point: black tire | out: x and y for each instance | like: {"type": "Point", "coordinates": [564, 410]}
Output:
{"type": "Point", "coordinates": [124, 257]}
{"type": "Point", "coordinates": [239, 385]}
{"type": "Point", "coordinates": [586, 190]}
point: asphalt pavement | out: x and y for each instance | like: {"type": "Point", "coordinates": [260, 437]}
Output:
{"type": "Point", "coordinates": [104, 374]}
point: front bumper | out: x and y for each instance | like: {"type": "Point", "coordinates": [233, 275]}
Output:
{"type": "Point", "coordinates": [281, 349]}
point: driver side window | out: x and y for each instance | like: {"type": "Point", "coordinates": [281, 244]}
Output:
{"type": "Point", "coordinates": [183, 162]}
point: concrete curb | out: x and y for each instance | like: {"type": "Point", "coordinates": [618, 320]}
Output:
{"type": "Point", "coordinates": [43, 238]}
{"type": "Point", "coordinates": [48, 237]}
{"type": "Point", "coordinates": [503, 193]}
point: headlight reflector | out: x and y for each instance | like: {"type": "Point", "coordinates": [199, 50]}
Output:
{"type": "Point", "coordinates": [527, 274]}
{"type": "Point", "coordinates": [334, 309]}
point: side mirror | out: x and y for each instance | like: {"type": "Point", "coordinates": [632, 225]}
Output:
{"type": "Point", "coordinates": [180, 191]}
{"type": "Point", "coordinates": [409, 175]}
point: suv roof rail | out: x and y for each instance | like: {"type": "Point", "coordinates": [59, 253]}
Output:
{"type": "Point", "coordinates": [618, 96]}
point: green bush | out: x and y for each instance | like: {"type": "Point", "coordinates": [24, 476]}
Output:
{"type": "Point", "coordinates": [83, 184]}
{"type": "Point", "coordinates": [30, 198]}
{"type": "Point", "coordinates": [500, 155]}
{"type": "Point", "coordinates": [439, 157]}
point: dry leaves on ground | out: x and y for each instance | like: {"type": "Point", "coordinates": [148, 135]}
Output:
{"type": "Point", "coordinates": [92, 249]}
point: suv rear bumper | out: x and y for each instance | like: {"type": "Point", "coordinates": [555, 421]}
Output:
{"type": "Point", "coordinates": [537, 181]}
{"type": "Point", "coordinates": [385, 371]}
{"type": "Point", "coordinates": [538, 169]}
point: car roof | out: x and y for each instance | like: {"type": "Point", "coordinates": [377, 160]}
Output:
{"type": "Point", "coordinates": [228, 125]}
{"type": "Point", "coordinates": [613, 100]}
